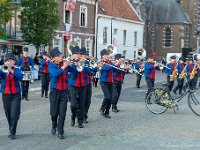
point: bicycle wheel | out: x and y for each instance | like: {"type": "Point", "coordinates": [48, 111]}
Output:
{"type": "Point", "coordinates": [194, 102]}
{"type": "Point", "coordinates": [152, 99]}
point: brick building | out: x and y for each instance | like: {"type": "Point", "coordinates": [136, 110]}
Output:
{"type": "Point", "coordinates": [78, 25]}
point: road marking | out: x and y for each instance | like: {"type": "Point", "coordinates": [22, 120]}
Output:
{"type": "Point", "coordinates": [35, 89]}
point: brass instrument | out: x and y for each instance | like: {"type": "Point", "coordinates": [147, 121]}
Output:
{"type": "Point", "coordinates": [141, 53]}
{"type": "Point", "coordinates": [183, 73]}
{"type": "Point", "coordinates": [174, 74]}
{"type": "Point", "coordinates": [192, 74]}
{"type": "Point", "coordinates": [6, 68]}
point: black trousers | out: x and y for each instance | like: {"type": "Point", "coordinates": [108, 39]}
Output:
{"type": "Point", "coordinates": [170, 83]}
{"type": "Point", "coordinates": [150, 83]}
{"type": "Point", "coordinates": [95, 81]}
{"type": "Point", "coordinates": [139, 77]}
{"type": "Point", "coordinates": [107, 91]}
{"type": "Point", "coordinates": [12, 107]}
{"type": "Point", "coordinates": [58, 107]}
{"type": "Point", "coordinates": [191, 83]}
{"type": "Point", "coordinates": [88, 99]}
{"type": "Point", "coordinates": [78, 98]}
{"type": "Point", "coordinates": [45, 84]}
{"type": "Point", "coordinates": [195, 80]}
{"type": "Point", "coordinates": [179, 85]}
{"type": "Point", "coordinates": [25, 88]}
{"type": "Point", "coordinates": [117, 87]}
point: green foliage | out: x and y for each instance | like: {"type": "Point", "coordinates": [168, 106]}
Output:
{"type": "Point", "coordinates": [39, 18]}
{"type": "Point", "coordinates": [6, 8]}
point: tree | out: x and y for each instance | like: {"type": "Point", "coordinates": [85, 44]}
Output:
{"type": "Point", "coordinates": [6, 8]}
{"type": "Point", "coordinates": [39, 18]}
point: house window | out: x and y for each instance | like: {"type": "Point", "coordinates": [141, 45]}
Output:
{"type": "Point", "coordinates": [124, 37]}
{"type": "Point", "coordinates": [88, 45]}
{"type": "Point", "coordinates": [105, 35]}
{"type": "Point", "coordinates": [168, 37]}
{"type": "Point", "coordinates": [56, 41]}
{"type": "Point", "coordinates": [135, 38]}
{"type": "Point", "coordinates": [67, 16]}
{"type": "Point", "coordinates": [77, 41]}
{"type": "Point", "coordinates": [83, 16]}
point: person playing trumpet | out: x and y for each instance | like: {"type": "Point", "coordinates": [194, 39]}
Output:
{"type": "Point", "coordinates": [139, 67]}
{"type": "Point", "coordinates": [180, 80]}
{"type": "Point", "coordinates": [11, 93]}
{"type": "Point", "coordinates": [44, 64]}
{"type": "Point", "coordinates": [106, 82]}
{"type": "Point", "coordinates": [171, 72]}
{"type": "Point", "coordinates": [150, 68]}
{"type": "Point", "coordinates": [117, 84]}
{"type": "Point", "coordinates": [58, 96]}
{"type": "Point", "coordinates": [78, 83]}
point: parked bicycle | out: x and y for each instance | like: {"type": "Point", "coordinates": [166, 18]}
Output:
{"type": "Point", "coordinates": [158, 100]}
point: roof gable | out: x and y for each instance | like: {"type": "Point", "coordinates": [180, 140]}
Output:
{"type": "Point", "coordinates": [117, 8]}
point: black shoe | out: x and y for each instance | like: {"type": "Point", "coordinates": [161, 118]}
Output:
{"type": "Point", "coordinates": [138, 86]}
{"type": "Point", "coordinates": [72, 123]}
{"type": "Point", "coordinates": [61, 136]}
{"type": "Point", "coordinates": [107, 116]}
{"type": "Point", "coordinates": [174, 92]}
{"type": "Point", "coordinates": [85, 121]}
{"type": "Point", "coordinates": [23, 98]}
{"type": "Point", "coordinates": [12, 137]}
{"type": "Point", "coordinates": [46, 96]}
{"type": "Point", "coordinates": [115, 110]}
{"type": "Point", "coordinates": [9, 136]}
{"type": "Point", "coordinates": [26, 98]}
{"type": "Point", "coordinates": [80, 125]}
{"type": "Point", "coordinates": [53, 131]}
{"type": "Point", "coordinates": [42, 95]}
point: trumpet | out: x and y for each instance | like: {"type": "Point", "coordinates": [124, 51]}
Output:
{"type": "Point", "coordinates": [161, 65]}
{"type": "Point", "coordinates": [6, 68]}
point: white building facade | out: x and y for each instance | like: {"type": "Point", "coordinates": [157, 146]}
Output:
{"type": "Point", "coordinates": [127, 35]}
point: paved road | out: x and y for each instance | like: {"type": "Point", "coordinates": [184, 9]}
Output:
{"type": "Point", "coordinates": [133, 128]}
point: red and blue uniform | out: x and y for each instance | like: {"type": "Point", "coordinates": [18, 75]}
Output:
{"type": "Point", "coordinates": [11, 82]}
{"type": "Point", "coordinates": [58, 77]}
{"type": "Point", "coordinates": [180, 68]}
{"type": "Point", "coordinates": [25, 61]}
{"type": "Point", "coordinates": [44, 66]}
{"type": "Point", "coordinates": [170, 68]}
{"type": "Point", "coordinates": [106, 74]}
{"type": "Point", "coordinates": [58, 95]}
{"type": "Point", "coordinates": [189, 68]}
{"type": "Point", "coordinates": [149, 70]}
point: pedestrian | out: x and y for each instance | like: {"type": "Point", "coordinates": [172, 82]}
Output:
{"type": "Point", "coordinates": [11, 95]}
{"type": "Point", "coordinates": [139, 68]}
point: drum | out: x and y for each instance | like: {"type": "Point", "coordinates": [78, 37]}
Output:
{"type": "Point", "coordinates": [27, 75]}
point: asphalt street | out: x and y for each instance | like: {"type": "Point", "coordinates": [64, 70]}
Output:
{"type": "Point", "coordinates": [133, 128]}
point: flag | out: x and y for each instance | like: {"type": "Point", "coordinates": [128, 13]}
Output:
{"type": "Point", "coordinates": [70, 5]}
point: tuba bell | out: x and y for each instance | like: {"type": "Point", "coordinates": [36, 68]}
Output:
{"type": "Point", "coordinates": [141, 53]}
{"type": "Point", "coordinates": [111, 49]}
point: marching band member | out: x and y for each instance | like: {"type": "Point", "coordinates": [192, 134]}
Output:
{"type": "Point", "coordinates": [78, 87]}
{"type": "Point", "coordinates": [196, 61]}
{"type": "Point", "coordinates": [25, 63]}
{"type": "Point", "coordinates": [171, 72]}
{"type": "Point", "coordinates": [106, 82]}
{"type": "Point", "coordinates": [11, 95]}
{"type": "Point", "coordinates": [58, 94]}
{"type": "Point", "coordinates": [44, 63]}
{"type": "Point", "coordinates": [180, 80]}
{"type": "Point", "coordinates": [139, 67]}
{"type": "Point", "coordinates": [191, 71]}
{"type": "Point", "coordinates": [149, 72]}
{"type": "Point", "coordinates": [117, 84]}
